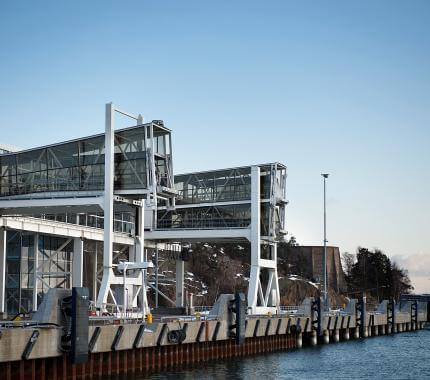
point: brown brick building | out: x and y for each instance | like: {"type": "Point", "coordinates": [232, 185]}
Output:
{"type": "Point", "coordinates": [314, 258]}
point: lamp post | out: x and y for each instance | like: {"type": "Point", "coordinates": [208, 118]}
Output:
{"type": "Point", "coordinates": [325, 176]}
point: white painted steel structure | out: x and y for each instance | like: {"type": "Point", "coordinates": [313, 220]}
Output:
{"type": "Point", "coordinates": [263, 292]}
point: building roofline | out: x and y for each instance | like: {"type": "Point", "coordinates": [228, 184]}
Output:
{"type": "Point", "coordinates": [233, 168]}
{"type": "Point", "coordinates": [9, 148]}
{"type": "Point", "coordinates": [82, 138]}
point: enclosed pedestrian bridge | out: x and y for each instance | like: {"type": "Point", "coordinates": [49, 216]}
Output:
{"type": "Point", "coordinates": [217, 204]}
{"type": "Point", "coordinates": [118, 188]}
{"type": "Point", "coordinates": [94, 213]}
{"type": "Point", "coordinates": [142, 164]}
{"type": "Point", "coordinates": [222, 199]}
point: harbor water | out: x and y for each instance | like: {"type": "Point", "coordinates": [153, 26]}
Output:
{"type": "Point", "coordinates": [400, 356]}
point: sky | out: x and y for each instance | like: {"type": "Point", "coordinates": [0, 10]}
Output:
{"type": "Point", "coordinates": [340, 87]}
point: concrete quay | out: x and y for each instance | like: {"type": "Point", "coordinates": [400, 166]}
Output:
{"type": "Point", "coordinates": [33, 350]}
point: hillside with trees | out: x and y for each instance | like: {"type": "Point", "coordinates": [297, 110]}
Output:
{"type": "Point", "coordinates": [213, 269]}
{"type": "Point", "coordinates": [374, 273]}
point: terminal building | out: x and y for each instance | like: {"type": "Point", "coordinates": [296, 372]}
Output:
{"type": "Point", "coordinates": [91, 212]}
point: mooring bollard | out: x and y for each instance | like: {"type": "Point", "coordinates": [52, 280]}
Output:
{"type": "Point", "coordinates": [314, 338]}
{"type": "Point", "coordinates": [366, 332]}
{"type": "Point", "coordinates": [326, 337]}
{"type": "Point", "coordinates": [356, 333]}
{"type": "Point", "coordinates": [299, 342]}
{"type": "Point", "coordinates": [346, 334]}
{"type": "Point", "coordinates": [375, 331]}
{"type": "Point", "coordinates": [383, 330]}
{"type": "Point", "coordinates": [336, 336]}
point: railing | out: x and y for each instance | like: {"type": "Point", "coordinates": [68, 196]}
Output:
{"type": "Point", "coordinates": [202, 309]}
{"type": "Point", "coordinates": [108, 313]}
{"type": "Point", "coordinates": [87, 220]}
{"type": "Point", "coordinates": [289, 309]}
{"type": "Point", "coordinates": [203, 223]}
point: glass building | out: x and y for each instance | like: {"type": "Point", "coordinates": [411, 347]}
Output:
{"type": "Point", "coordinates": [64, 184]}
{"type": "Point", "coordinates": [222, 199]}
{"type": "Point", "coordinates": [54, 268]}
{"type": "Point", "coordinates": [78, 165]}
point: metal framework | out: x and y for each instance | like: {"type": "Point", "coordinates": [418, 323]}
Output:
{"type": "Point", "coordinates": [233, 205]}
{"type": "Point", "coordinates": [110, 189]}
{"type": "Point", "coordinates": [103, 181]}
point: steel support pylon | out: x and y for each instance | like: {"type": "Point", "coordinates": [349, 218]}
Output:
{"type": "Point", "coordinates": [262, 297]}
{"type": "Point", "coordinates": [109, 278]}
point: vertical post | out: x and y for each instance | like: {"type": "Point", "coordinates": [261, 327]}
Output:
{"type": "Point", "coordinates": [140, 254]}
{"type": "Point", "coordinates": [108, 205]}
{"type": "Point", "coordinates": [156, 276]}
{"type": "Point", "coordinates": [145, 307]}
{"type": "Point", "coordinates": [276, 296]}
{"type": "Point", "coordinates": [254, 282]}
{"type": "Point", "coordinates": [95, 273]}
{"type": "Point", "coordinates": [36, 268]}
{"type": "Point", "coordinates": [3, 244]}
{"type": "Point", "coordinates": [140, 228]}
{"type": "Point", "coordinates": [325, 245]}
{"type": "Point", "coordinates": [180, 283]}
{"type": "Point", "coordinates": [78, 262]}
{"type": "Point", "coordinates": [124, 292]}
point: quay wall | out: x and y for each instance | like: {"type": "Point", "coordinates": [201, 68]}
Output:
{"type": "Point", "coordinates": [125, 347]}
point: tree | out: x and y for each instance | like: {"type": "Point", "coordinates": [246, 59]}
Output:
{"type": "Point", "coordinates": [401, 281]}
{"type": "Point", "coordinates": [375, 274]}
{"type": "Point", "coordinates": [348, 261]}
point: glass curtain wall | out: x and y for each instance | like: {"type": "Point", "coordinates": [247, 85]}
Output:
{"type": "Point", "coordinates": [218, 186]}
{"type": "Point", "coordinates": [76, 166]}
{"type": "Point", "coordinates": [54, 263]}
{"type": "Point", "coordinates": [231, 216]}
{"type": "Point", "coordinates": [19, 272]}
{"type": "Point", "coordinates": [124, 222]}
{"type": "Point", "coordinates": [228, 185]}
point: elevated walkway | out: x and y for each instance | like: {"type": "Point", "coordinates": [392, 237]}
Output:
{"type": "Point", "coordinates": [200, 235]}
{"type": "Point", "coordinates": [70, 230]}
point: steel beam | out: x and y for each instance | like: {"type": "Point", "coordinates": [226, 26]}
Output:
{"type": "Point", "coordinates": [36, 268]}
{"type": "Point", "coordinates": [180, 268]}
{"type": "Point", "coordinates": [3, 244]}
{"type": "Point", "coordinates": [78, 262]}
{"type": "Point", "coordinates": [255, 239]}
{"type": "Point", "coordinates": [108, 205]}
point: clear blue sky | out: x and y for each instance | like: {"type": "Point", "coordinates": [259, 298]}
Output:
{"type": "Point", "coordinates": [335, 86]}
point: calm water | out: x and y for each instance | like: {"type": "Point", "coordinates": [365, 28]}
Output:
{"type": "Point", "coordinates": [401, 356]}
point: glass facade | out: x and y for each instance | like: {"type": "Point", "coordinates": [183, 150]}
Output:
{"type": "Point", "coordinates": [217, 186]}
{"type": "Point", "coordinates": [79, 165]}
{"type": "Point", "coordinates": [54, 266]}
{"type": "Point", "coordinates": [19, 272]}
{"type": "Point", "coordinates": [231, 216]}
{"type": "Point", "coordinates": [124, 222]}
{"type": "Point", "coordinates": [228, 185]}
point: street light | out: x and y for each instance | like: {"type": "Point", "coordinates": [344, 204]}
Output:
{"type": "Point", "coordinates": [325, 176]}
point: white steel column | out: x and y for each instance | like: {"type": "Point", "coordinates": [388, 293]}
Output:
{"type": "Point", "coordinates": [254, 281]}
{"type": "Point", "coordinates": [180, 267]}
{"type": "Point", "coordinates": [78, 262]}
{"type": "Point", "coordinates": [3, 243]}
{"type": "Point", "coordinates": [261, 300]}
{"type": "Point", "coordinates": [140, 229]}
{"type": "Point", "coordinates": [108, 205]}
{"type": "Point", "coordinates": [95, 273]}
{"type": "Point", "coordinates": [140, 255]}
{"type": "Point", "coordinates": [275, 296]}
{"type": "Point", "coordinates": [36, 267]}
